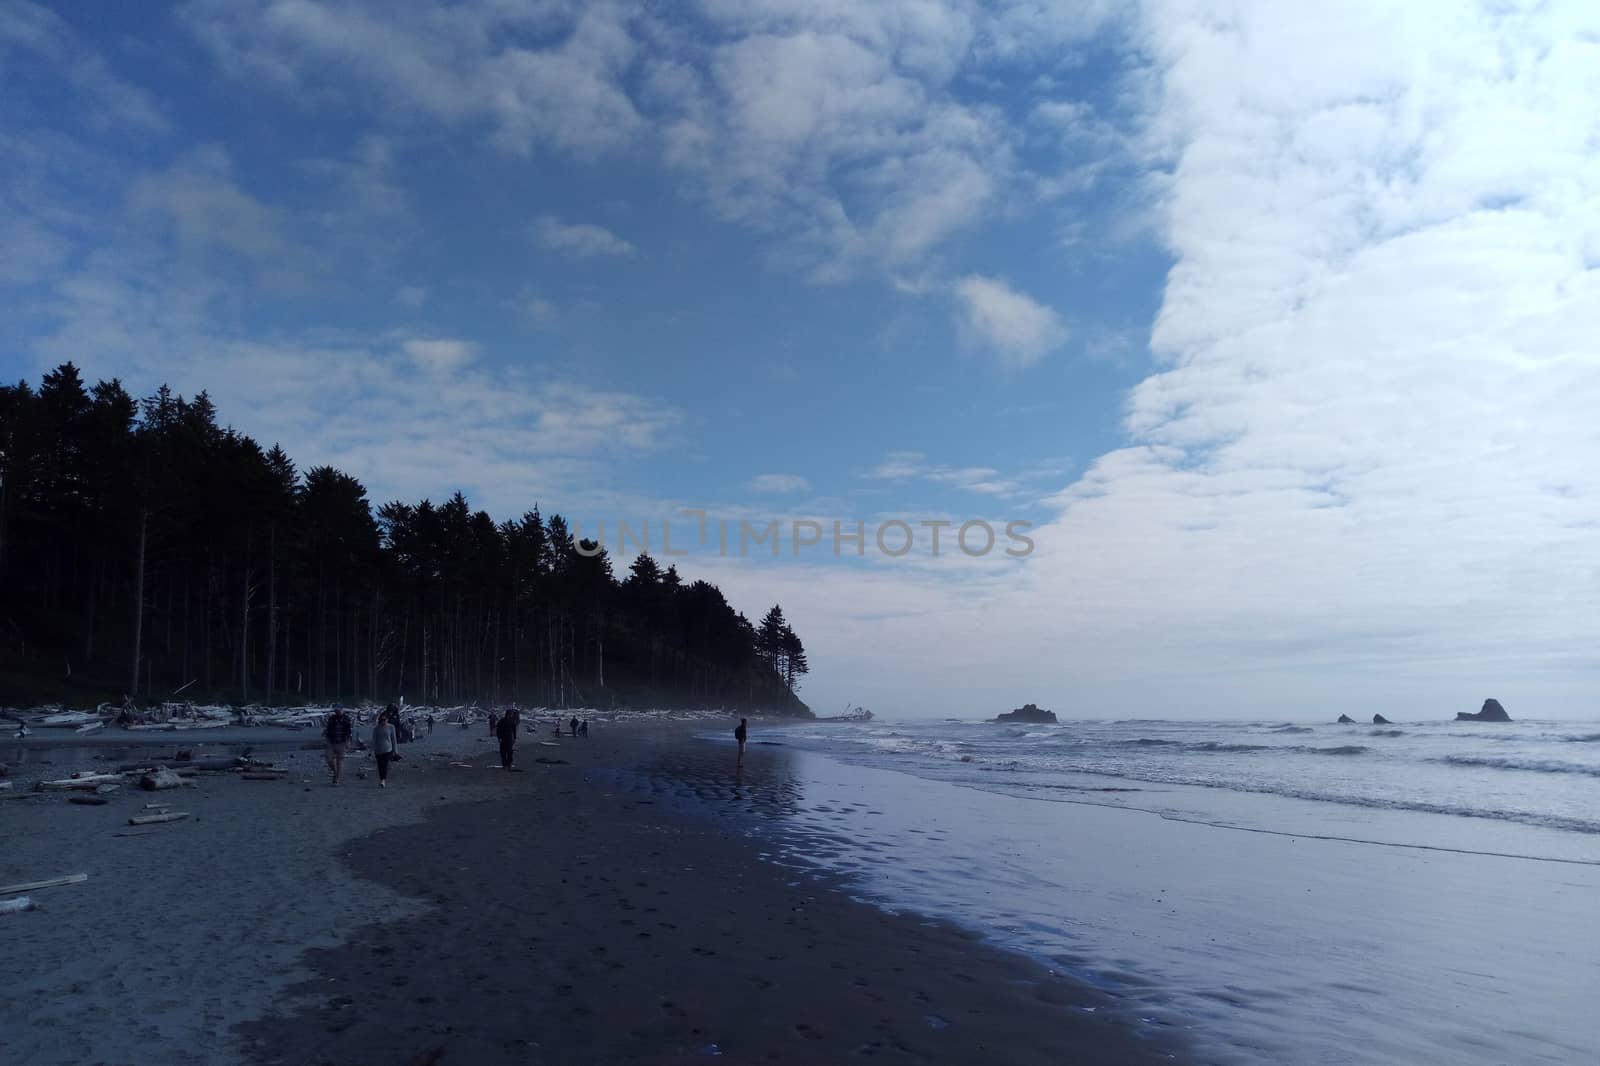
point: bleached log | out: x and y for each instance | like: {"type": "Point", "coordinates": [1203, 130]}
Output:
{"type": "Point", "coordinates": [15, 906]}
{"type": "Point", "coordinates": [151, 819]}
{"type": "Point", "coordinates": [86, 783]}
{"type": "Point", "coordinates": [49, 882]}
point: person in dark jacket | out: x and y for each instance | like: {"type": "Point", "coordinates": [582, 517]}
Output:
{"type": "Point", "coordinates": [506, 732]}
{"type": "Point", "coordinates": [740, 734]}
{"type": "Point", "coordinates": [336, 732]}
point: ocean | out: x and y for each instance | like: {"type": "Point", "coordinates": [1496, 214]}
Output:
{"type": "Point", "coordinates": [1281, 891]}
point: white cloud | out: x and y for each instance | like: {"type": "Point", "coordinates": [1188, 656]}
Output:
{"type": "Point", "coordinates": [460, 64]}
{"type": "Point", "coordinates": [1016, 328]}
{"type": "Point", "coordinates": [411, 296]}
{"type": "Point", "coordinates": [841, 132]}
{"type": "Point", "coordinates": [779, 483]}
{"type": "Point", "coordinates": [409, 416]}
{"type": "Point", "coordinates": [580, 239]}
{"type": "Point", "coordinates": [198, 197]}
{"type": "Point", "coordinates": [108, 103]}
{"type": "Point", "coordinates": [439, 355]}
{"type": "Point", "coordinates": [1367, 470]}
{"type": "Point", "coordinates": [910, 466]}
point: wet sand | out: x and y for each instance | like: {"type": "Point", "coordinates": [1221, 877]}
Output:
{"type": "Point", "coordinates": [570, 913]}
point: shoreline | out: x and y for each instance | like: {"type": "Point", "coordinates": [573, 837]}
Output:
{"type": "Point", "coordinates": [545, 916]}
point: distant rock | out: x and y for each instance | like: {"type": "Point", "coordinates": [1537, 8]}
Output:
{"type": "Point", "coordinates": [1345, 719]}
{"type": "Point", "coordinates": [1379, 719]}
{"type": "Point", "coordinates": [1028, 713]}
{"type": "Point", "coordinates": [1492, 712]}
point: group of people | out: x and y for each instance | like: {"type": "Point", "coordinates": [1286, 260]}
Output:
{"type": "Point", "coordinates": [389, 730]}
{"type": "Point", "coordinates": [339, 730]}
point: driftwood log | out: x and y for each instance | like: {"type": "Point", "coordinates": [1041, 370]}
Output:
{"type": "Point", "coordinates": [86, 783]}
{"type": "Point", "coordinates": [152, 819]}
{"type": "Point", "coordinates": [88, 801]}
{"type": "Point", "coordinates": [49, 882]}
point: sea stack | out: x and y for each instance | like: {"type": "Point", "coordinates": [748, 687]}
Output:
{"type": "Point", "coordinates": [1491, 712]}
{"type": "Point", "coordinates": [1345, 719]}
{"type": "Point", "coordinates": [1379, 719]}
{"type": "Point", "coordinates": [1030, 713]}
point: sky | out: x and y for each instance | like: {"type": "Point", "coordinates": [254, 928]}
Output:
{"type": "Point", "coordinates": [1276, 324]}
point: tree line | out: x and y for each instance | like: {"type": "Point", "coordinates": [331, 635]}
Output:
{"type": "Point", "coordinates": [146, 549]}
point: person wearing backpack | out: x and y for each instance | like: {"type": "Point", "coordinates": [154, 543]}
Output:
{"type": "Point", "coordinates": [336, 732]}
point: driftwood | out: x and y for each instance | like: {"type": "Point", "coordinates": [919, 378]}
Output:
{"type": "Point", "coordinates": [264, 777]}
{"type": "Point", "coordinates": [51, 882]}
{"type": "Point", "coordinates": [88, 801]}
{"type": "Point", "coordinates": [86, 783]}
{"type": "Point", "coordinates": [16, 906]}
{"type": "Point", "coordinates": [210, 764]}
{"type": "Point", "coordinates": [151, 819]}
{"type": "Point", "coordinates": [101, 790]}
{"type": "Point", "coordinates": [160, 781]}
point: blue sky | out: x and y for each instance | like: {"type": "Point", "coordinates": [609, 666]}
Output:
{"type": "Point", "coordinates": [1279, 325]}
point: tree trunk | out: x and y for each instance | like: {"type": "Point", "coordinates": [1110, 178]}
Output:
{"type": "Point", "coordinates": [138, 603]}
{"type": "Point", "coordinates": [272, 606]}
{"type": "Point", "coordinates": [244, 632]}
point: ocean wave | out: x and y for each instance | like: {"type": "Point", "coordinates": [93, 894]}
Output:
{"type": "Point", "coordinates": [1584, 738]}
{"type": "Point", "coordinates": [1343, 749]}
{"type": "Point", "coordinates": [1538, 766]}
{"type": "Point", "coordinates": [1213, 745]}
{"type": "Point", "coordinates": [1292, 729]}
{"type": "Point", "coordinates": [1387, 733]}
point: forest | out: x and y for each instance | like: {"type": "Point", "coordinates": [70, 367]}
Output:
{"type": "Point", "coordinates": [146, 549]}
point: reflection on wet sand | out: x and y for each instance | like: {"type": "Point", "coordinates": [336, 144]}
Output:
{"type": "Point", "coordinates": [711, 777]}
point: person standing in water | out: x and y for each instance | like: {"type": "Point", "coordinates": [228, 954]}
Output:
{"type": "Point", "coordinates": [383, 742]}
{"type": "Point", "coordinates": [740, 734]}
{"type": "Point", "coordinates": [337, 733]}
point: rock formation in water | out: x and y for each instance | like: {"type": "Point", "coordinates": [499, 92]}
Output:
{"type": "Point", "coordinates": [1379, 719]}
{"type": "Point", "coordinates": [1028, 712]}
{"type": "Point", "coordinates": [1491, 712]}
{"type": "Point", "coordinates": [1345, 719]}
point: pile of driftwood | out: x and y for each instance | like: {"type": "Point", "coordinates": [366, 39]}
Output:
{"type": "Point", "coordinates": [91, 788]}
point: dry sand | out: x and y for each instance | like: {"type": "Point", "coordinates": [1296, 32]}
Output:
{"type": "Point", "coordinates": [547, 916]}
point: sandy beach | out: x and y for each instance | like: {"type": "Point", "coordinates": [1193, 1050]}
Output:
{"type": "Point", "coordinates": [561, 914]}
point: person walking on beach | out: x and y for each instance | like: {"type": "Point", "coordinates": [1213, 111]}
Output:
{"type": "Point", "coordinates": [574, 725]}
{"type": "Point", "coordinates": [337, 732]}
{"type": "Point", "coordinates": [740, 733]}
{"type": "Point", "coordinates": [583, 728]}
{"type": "Point", "coordinates": [506, 731]}
{"type": "Point", "coordinates": [383, 741]}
